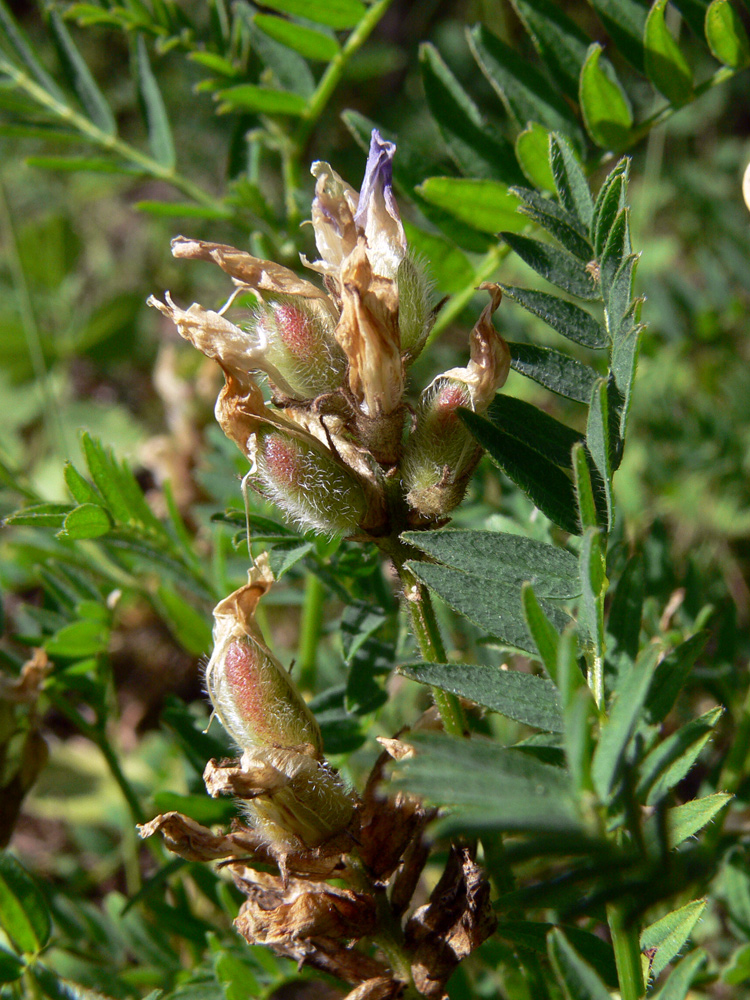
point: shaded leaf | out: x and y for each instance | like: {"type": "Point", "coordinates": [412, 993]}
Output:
{"type": "Point", "coordinates": [155, 113]}
{"type": "Point", "coordinates": [474, 146]}
{"type": "Point", "coordinates": [20, 45]}
{"type": "Point", "coordinates": [681, 977]}
{"type": "Point", "coordinates": [625, 21]}
{"type": "Point", "coordinates": [625, 613]}
{"type": "Point", "coordinates": [604, 106]}
{"type": "Point", "coordinates": [668, 763]}
{"type": "Point", "coordinates": [525, 92]}
{"type": "Point", "coordinates": [545, 483]}
{"type": "Point", "coordinates": [85, 87]}
{"type": "Point", "coordinates": [189, 627]}
{"type": "Point", "coordinates": [561, 44]}
{"type": "Point", "coordinates": [665, 64]}
{"type": "Point", "coordinates": [671, 676]}
{"type": "Point", "coordinates": [358, 622]}
{"type": "Point", "coordinates": [24, 915]}
{"type": "Point", "coordinates": [609, 202]}
{"type": "Point", "coordinates": [726, 35]}
{"type": "Point", "coordinates": [523, 697]}
{"type": "Point", "coordinates": [624, 716]}
{"type": "Point", "coordinates": [513, 790]}
{"type": "Point", "coordinates": [533, 935]}
{"type": "Point", "coordinates": [577, 978]}
{"type": "Point", "coordinates": [534, 428]}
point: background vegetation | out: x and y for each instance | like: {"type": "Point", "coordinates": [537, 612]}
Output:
{"type": "Point", "coordinates": [122, 124]}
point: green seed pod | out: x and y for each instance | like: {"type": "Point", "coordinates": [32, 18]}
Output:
{"type": "Point", "coordinates": [440, 454]}
{"type": "Point", "coordinates": [295, 337]}
{"type": "Point", "coordinates": [308, 483]}
{"type": "Point", "coordinates": [415, 313]}
{"type": "Point", "coordinates": [256, 699]}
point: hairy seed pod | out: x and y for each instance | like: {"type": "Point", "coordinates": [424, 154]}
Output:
{"type": "Point", "coordinates": [298, 342]}
{"type": "Point", "coordinates": [256, 699]}
{"type": "Point", "coordinates": [440, 454]}
{"type": "Point", "coordinates": [308, 483]}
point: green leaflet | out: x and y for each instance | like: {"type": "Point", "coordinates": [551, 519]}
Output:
{"type": "Point", "coordinates": [511, 789]}
{"type": "Point", "coordinates": [570, 181]}
{"type": "Point", "coordinates": [665, 64]}
{"type": "Point", "coordinates": [525, 92]}
{"type": "Point", "coordinates": [577, 978]}
{"type": "Point", "coordinates": [154, 111]}
{"type": "Point", "coordinates": [473, 144]}
{"type": "Point", "coordinates": [531, 152]}
{"type": "Point", "coordinates": [726, 35]}
{"type": "Point", "coordinates": [249, 97]}
{"type": "Point", "coordinates": [484, 574]}
{"type": "Point", "coordinates": [523, 697]}
{"type": "Point", "coordinates": [554, 370]}
{"type": "Point", "coordinates": [487, 205]}
{"type": "Point", "coordinates": [338, 14]}
{"type": "Point", "coordinates": [308, 42]}
{"type": "Point", "coordinates": [605, 108]}
{"type": "Point", "coordinates": [670, 934]}
{"type": "Point", "coordinates": [565, 317]}
{"type": "Point", "coordinates": [556, 266]}
{"type": "Point", "coordinates": [24, 915]}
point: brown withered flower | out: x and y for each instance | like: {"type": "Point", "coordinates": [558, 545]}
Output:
{"type": "Point", "coordinates": [336, 447]}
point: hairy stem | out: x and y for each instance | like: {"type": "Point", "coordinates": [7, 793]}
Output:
{"type": "Point", "coordinates": [431, 647]}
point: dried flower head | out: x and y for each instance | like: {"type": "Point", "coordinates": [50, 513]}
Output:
{"type": "Point", "coordinates": [332, 448]}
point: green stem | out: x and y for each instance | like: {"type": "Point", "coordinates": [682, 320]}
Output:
{"type": "Point", "coordinates": [335, 70]}
{"type": "Point", "coordinates": [109, 141]}
{"type": "Point", "coordinates": [431, 647]}
{"type": "Point", "coordinates": [627, 950]}
{"type": "Point", "coordinates": [311, 627]}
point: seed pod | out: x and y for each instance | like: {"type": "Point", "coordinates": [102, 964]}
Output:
{"type": "Point", "coordinates": [440, 454]}
{"type": "Point", "coordinates": [296, 340]}
{"type": "Point", "coordinates": [254, 697]}
{"type": "Point", "coordinates": [308, 483]}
